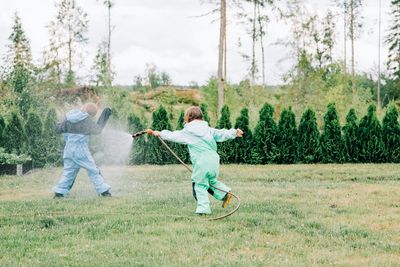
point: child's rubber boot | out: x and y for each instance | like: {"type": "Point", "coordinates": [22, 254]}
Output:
{"type": "Point", "coordinates": [226, 200]}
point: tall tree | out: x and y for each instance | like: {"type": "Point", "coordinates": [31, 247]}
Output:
{"type": "Point", "coordinates": [102, 75]}
{"type": "Point", "coordinates": [350, 137]}
{"type": "Point", "coordinates": [287, 137]}
{"type": "Point", "coordinates": [72, 24]}
{"type": "Point", "coordinates": [221, 49]}
{"type": "Point", "coordinates": [243, 146]}
{"type": "Point", "coordinates": [392, 39]}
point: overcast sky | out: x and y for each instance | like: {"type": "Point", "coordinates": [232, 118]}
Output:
{"type": "Point", "coordinates": [171, 35]}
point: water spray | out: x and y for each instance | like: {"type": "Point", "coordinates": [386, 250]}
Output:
{"type": "Point", "coordinates": [135, 135]}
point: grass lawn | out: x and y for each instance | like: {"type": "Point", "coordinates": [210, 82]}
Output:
{"type": "Point", "coordinates": [290, 215]}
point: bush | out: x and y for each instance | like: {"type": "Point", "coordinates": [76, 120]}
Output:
{"type": "Point", "coordinates": [391, 135]}
{"type": "Point", "coordinates": [243, 146]}
{"type": "Point", "coordinates": [371, 146]}
{"type": "Point", "coordinates": [35, 148]}
{"type": "Point", "coordinates": [350, 137]}
{"type": "Point", "coordinates": [9, 158]}
{"type": "Point", "coordinates": [308, 138]}
{"type": "Point", "coordinates": [2, 128]}
{"type": "Point", "coordinates": [286, 138]}
{"type": "Point", "coordinates": [182, 150]}
{"type": "Point", "coordinates": [331, 137]}
{"type": "Point", "coordinates": [52, 141]}
{"type": "Point", "coordinates": [225, 149]}
{"type": "Point", "coordinates": [264, 139]}
{"type": "Point", "coordinates": [14, 135]}
{"type": "Point", "coordinates": [139, 145]}
{"type": "Point", "coordinates": [206, 117]}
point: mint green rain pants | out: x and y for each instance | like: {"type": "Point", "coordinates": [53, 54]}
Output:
{"type": "Point", "coordinates": [205, 179]}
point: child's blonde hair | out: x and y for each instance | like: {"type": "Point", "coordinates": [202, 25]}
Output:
{"type": "Point", "coordinates": [193, 113]}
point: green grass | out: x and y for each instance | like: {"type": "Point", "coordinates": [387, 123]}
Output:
{"type": "Point", "coordinates": [290, 215]}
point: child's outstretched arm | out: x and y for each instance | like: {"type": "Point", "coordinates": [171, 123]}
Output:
{"type": "Point", "coordinates": [221, 135]}
{"type": "Point", "coordinates": [176, 136]}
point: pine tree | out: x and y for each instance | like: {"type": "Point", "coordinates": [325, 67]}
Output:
{"type": "Point", "coordinates": [206, 117]}
{"type": "Point", "coordinates": [264, 139]}
{"type": "Point", "coordinates": [243, 146]}
{"type": "Point", "coordinates": [350, 137]}
{"type": "Point", "coordinates": [139, 144]}
{"type": "Point", "coordinates": [225, 149]}
{"type": "Point", "coordinates": [102, 75]}
{"type": "Point", "coordinates": [391, 135]}
{"type": "Point", "coordinates": [331, 137]}
{"type": "Point", "coordinates": [14, 135]}
{"type": "Point", "coordinates": [157, 153]}
{"type": "Point", "coordinates": [182, 150]}
{"type": "Point", "coordinates": [52, 140]}
{"type": "Point", "coordinates": [286, 137]}
{"type": "Point", "coordinates": [371, 146]}
{"type": "Point", "coordinates": [35, 142]}
{"type": "Point", "coordinates": [308, 138]}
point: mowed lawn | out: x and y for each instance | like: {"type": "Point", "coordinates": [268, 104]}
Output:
{"type": "Point", "coordinates": [290, 215]}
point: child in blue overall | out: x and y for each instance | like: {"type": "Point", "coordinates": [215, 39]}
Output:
{"type": "Point", "coordinates": [201, 141]}
{"type": "Point", "coordinates": [77, 127]}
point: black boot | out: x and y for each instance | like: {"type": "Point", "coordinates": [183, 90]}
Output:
{"type": "Point", "coordinates": [58, 195]}
{"type": "Point", "coordinates": [106, 194]}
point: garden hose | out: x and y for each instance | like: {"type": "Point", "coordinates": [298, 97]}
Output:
{"type": "Point", "coordinates": [190, 170]}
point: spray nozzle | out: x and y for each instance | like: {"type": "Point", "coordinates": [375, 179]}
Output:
{"type": "Point", "coordinates": [140, 133]}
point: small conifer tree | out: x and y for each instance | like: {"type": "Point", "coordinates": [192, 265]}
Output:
{"type": "Point", "coordinates": [138, 150]}
{"type": "Point", "coordinates": [243, 146]}
{"type": "Point", "coordinates": [14, 135]}
{"type": "Point", "coordinates": [225, 149]}
{"type": "Point", "coordinates": [264, 139]}
{"type": "Point", "coordinates": [52, 141]}
{"type": "Point", "coordinates": [308, 138]}
{"type": "Point", "coordinates": [182, 150]}
{"type": "Point", "coordinates": [204, 109]}
{"type": "Point", "coordinates": [35, 142]}
{"type": "Point", "coordinates": [331, 137]}
{"type": "Point", "coordinates": [391, 135]}
{"type": "Point", "coordinates": [350, 137]}
{"type": "Point", "coordinates": [286, 137]}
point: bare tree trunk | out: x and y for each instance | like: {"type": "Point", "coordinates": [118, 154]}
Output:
{"type": "Point", "coordinates": [225, 49]}
{"type": "Point", "coordinates": [220, 80]}
{"type": "Point", "coordinates": [109, 45]}
{"type": "Point", "coordinates": [345, 36]}
{"type": "Point", "coordinates": [352, 37]}
{"type": "Point", "coordinates": [70, 54]}
{"type": "Point", "coordinates": [379, 57]}
{"type": "Point", "coordinates": [261, 44]}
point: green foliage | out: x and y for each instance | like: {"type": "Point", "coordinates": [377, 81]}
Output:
{"type": "Point", "coordinates": [14, 135]}
{"type": "Point", "coordinates": [35, 141]}
{"type": "Point", "coordinates": [371, 146]}
{"type": "Point", "coordinates": [350, 137]}
{"type": "Point", "coordinates": [206, 117]}
{"type": "Point", "coordinates": [157, 153]}
{"type": "Point", "coordinates": [182, 150]}
{"type": "Point", "coordinates": [308, 138]}
{"type": "Point", "coordinates": [2, 128]}
{"type": "Point", "coordinates": [243, 146]}
{"type": "Point", "coordinates": [331, 137]}
{"type": "Point", "coordinates": [139, 148]}
{"type": "Point", "coordinates": [391, 135]}
{"type": "Point", "coordinates": [225, 149]}
{"type": "Point", "coordinates": [287, 138]}
{"type": "Point", "coordinates": [264, 140]}
{"type": "Point", "coordinates": [52, 140]}
{"type": "Point", "coordinates": [10, 158]}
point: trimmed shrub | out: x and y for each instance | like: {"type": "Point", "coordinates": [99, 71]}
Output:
{"type": "Point", "coordinates": [264, 139]}
{"type": "Point", "coordinates": [331, 137]}
{"type": "Point", "coordinates": [53, 143]}
{"type": "Point", "coordinates": [243, 146]}
{"type": "Point", "coordinates": [2, 128]}
{"type": "Point", "coordinates": [206, 117]}
{"type": "Point", "coordinates": [225, 149]}
{"type": "Point", "coordinates": [14, 135]}
{"type": "Point", "coordinates": [350, 137]}
{"type": "Point", "coordinates": [371, 148]}
{"type": "Point", "coordinates": [138, 149]}
{"type": "Point", "coordinates": [286, 138]}
{"type": "Point", "coordinates": [391, 135]}
{"type": "Point", "coordinates": [182, 150]}
{"type": "Point", "coordinates": [35, 142]}
{"type": "Point", "coordinates": [308, 138]}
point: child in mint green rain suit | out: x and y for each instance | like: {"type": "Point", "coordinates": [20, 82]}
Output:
{"type": "Point", "coordinates": [201, 140]}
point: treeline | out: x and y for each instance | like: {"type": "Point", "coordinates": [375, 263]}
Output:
{"type": "Point", "coordinates": [358, 141]}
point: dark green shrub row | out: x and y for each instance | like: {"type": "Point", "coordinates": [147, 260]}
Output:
{"type": "Point", "coordinates": [284, 142]}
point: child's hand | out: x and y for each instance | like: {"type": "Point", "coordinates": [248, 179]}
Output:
{"type": "Point", "coordinates": [239, 133]}
{"type": "Point", "coordinates": [155, 133]}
